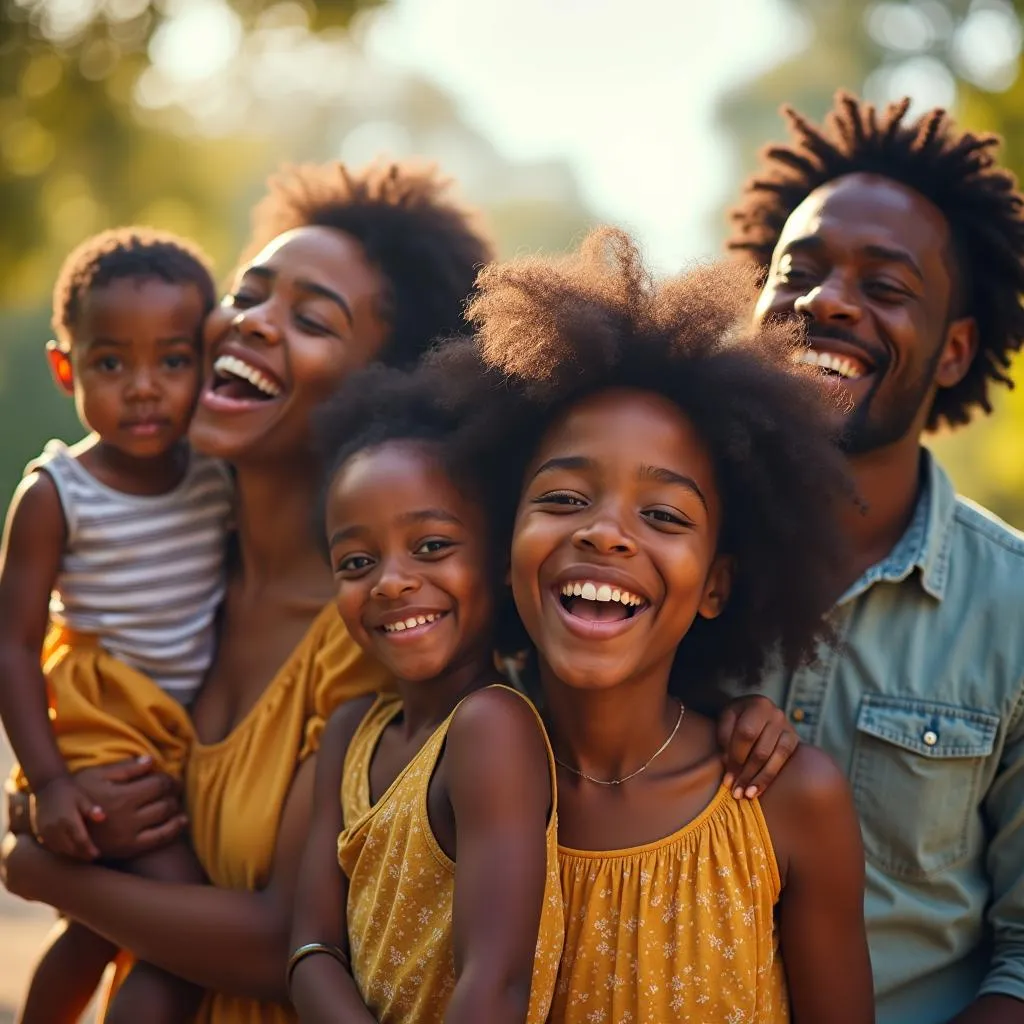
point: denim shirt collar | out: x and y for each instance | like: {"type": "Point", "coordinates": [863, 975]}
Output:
{"type": "Point", "coordinates": [925, 543]}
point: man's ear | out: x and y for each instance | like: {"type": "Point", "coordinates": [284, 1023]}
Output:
{"type": "Point", "coordinates": [60, 367]}
{"type": "Point", "coordinates": [958, 352]}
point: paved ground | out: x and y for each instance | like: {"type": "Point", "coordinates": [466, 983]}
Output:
{"type": "Point", "coordinates": [23, 927]}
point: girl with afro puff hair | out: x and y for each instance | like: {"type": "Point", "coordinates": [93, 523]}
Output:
{"type": "Point", "coordinates": [676, 498]}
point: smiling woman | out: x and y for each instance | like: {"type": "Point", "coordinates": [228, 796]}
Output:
{"type": "Point", "coordinates": [345, 268]}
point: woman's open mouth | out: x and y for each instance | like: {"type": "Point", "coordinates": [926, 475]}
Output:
{"type": "Point", "coordinates": [237, 382]}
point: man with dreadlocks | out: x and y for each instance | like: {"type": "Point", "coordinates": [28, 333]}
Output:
{"type": "Point", "coordinates": [899, 243]}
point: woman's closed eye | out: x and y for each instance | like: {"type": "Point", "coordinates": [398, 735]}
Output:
{"type": "Point", "coordinates": [313, 325]}
{"type": "Point", "coordinates": [242, 299]}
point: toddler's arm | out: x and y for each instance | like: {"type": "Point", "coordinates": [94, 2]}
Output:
{"type": "Point", "coordinates": [34, 538]}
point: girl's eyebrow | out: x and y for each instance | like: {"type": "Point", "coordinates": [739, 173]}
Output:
{"type": "Point", "coordinates": [668, 476]}
{"type": "Point", "coordinates": [433, 515]}
{"type": "Point", "coordinates": [565, 462]}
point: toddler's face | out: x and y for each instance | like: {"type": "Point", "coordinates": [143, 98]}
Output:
{"type": "Point", "coordinates": [134, 363]}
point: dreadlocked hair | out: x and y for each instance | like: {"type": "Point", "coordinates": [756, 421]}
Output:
{"type": "Point", "coordinates": [550, 332]}
{"type": "Point", "coordinates": [426, 245]}
{"type": "Point", "coordinates": [129, 252]}
{"type": "Point", "coordinates": [955, 170]}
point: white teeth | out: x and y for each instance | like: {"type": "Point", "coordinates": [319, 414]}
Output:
{"type": "Point", "coordinates": [842, 365]}
{"type": "Point", "coordinates": [601, 592]}
{"type": "Point", "coordinates": [236, 367]}
{"type": "Point", "coordinates": [410, 623]}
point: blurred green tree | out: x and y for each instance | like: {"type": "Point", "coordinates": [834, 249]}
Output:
{"type": "Point", "coordinates": [74, 154]}
{"type": "Point", "coordinates": [172, 113]}
{"type": "Point", "coordinates": [961, 54]}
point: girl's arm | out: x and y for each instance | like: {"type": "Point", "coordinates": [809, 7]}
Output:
{"type": "Point", "coordinates": [816, 835]}
{"type": "Point", "coordinates": [322, 990]}
{"type": "Point", "coordinates": [34, 538]}
{"type": "Point", "coordinates": [228, 940]}
{"type": "Point", "coordinates": [499, 783]}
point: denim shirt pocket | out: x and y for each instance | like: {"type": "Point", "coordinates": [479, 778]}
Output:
{"type": "Point", "coordinates": [916, 770]}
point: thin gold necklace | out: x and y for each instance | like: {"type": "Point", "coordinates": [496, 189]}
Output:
{"type": "Point", "coordinates": [632, 775]}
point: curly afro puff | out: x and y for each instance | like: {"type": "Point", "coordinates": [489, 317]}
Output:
{"type": "Point", "coordinates": [551, 332]}
{"type": "Point", "coordinates": [955, 170]}
{"type": "Point", "coordinates": [130, 252]}
{"type": "Point", "coordinates": [427, 246]}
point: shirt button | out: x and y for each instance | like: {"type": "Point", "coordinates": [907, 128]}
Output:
{"type": "Point", "coordinates": [930, 737]}
{"type": "Point", "coordinates": [799, 714]}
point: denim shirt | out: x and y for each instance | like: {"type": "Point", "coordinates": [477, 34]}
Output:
{"type": "Point", "coordinates": [922, 704]}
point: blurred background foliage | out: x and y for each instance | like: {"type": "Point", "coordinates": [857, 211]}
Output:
{"type": "Point", "coordinates": [102, 123]}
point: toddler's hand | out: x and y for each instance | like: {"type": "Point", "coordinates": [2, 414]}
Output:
{"type": "Point", "coordinates": [61, 816]}
{"type": "Point", "coordinates": [756, 740]}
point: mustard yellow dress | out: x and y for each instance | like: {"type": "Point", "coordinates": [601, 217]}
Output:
{"type": "Point", "coordinates": [402, 885]}
{"type": "Point", "coordinates": [679, 931]}
{"type": "Point", "coordinates": [235, 789]}
{"type": "Point", "coordinates": [103, 711]}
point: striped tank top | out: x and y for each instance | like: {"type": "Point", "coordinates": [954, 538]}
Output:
{"type": "Point", "coordinates": [144, 574]}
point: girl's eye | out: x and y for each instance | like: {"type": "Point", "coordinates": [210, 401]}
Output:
{"type": "Point", "coordinates": [108, 364]}
{"type": "Point", "coordinates": [178, 362]}
{"type": "Point", "coordinates": [560, 498]}
{"type": "Point", "coordinates": [354, 564]}
{"type": "Point", "coordinates": [662, 515]}
{"type": "Point", "coordinates": [433, 546]}
{"type": "Point", "coordinates": [242, 299]}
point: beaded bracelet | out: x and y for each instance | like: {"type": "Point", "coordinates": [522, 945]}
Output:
{"type": "Point", "coordinates": [309, 949]}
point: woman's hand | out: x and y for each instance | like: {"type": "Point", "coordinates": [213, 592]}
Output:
{"type": "Point", "coordinates": [142, 807]}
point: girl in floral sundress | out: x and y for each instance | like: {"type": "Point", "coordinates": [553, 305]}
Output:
{"type": "Point", "coordinates": [675, 528]}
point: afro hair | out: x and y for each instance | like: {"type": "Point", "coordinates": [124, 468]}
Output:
{"type": "Point", "coordinates": [550, 332]}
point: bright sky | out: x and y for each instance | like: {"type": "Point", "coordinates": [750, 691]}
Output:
{"type": "Point", "coordinates": [628, 101]}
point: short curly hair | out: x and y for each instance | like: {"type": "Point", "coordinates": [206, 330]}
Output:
{"type": "Point", "coordinates": [384, 404]}
{"type": "Point", "coordinates": [956, 170]}
{"type": "Point", "coordinates": [127, 252]}
{"type": "Point", "coordinates": [427, 246]}
{"type": "Point", "coordinates": [550, 332]}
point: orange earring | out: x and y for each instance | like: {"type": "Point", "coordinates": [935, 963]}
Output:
{"type": "Point", "coordinates": [64, 372]}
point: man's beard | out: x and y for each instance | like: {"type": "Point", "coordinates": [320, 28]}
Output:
{"type": "Point", "coordinates": [867, 430]}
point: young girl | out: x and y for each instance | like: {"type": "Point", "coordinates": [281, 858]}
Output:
{"type": "Point", "coordinates": [116, 543]}
{"type": "Point", "coordinates": [675, 527]}
{"type": "Point", "coordinates": [447, 850]}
